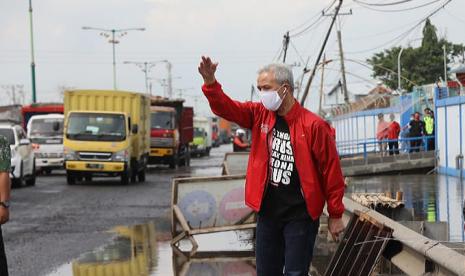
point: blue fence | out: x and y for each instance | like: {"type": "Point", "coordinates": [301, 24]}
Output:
{"type": "Point", "coordinates": [373, 146]}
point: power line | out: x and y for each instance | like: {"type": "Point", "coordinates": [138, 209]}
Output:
{"type": "Point", "coordinates": [309, 27]}
{"type": "Point", "coordinates": [404, 34]}
{"type": "Point", "coordinates": [383, 4]}
{"type": "Point", "coordinates": [401, 10]}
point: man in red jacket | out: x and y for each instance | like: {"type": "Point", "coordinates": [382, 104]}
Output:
{"type": "Point", "coordinates": [293, 169]}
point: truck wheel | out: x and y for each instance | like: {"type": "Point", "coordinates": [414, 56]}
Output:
{"type": "Point", "coordinates": [172, 164]}
{"type": "Point", "coordinates": [187, 161]}
{"type": "Point", "coordinates": [31, 181]}
{"type": "Point", "coordinates": [125, 178]}
{"type": "Point", "coordinates": [88, 178]}
{"type": "Point", "coordinates": [47, 171]}
{"type": "Point", "coordinates": [18, 181]}
{"type": "Point", "coordinates": [141, 176]}
{"type": "Point", "coordinates": [70, 178]}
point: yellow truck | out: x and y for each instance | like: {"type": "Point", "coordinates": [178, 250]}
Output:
{"type": "Point", "coordinates": [107, 133]}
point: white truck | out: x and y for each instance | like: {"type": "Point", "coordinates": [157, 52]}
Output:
{"type": "Point", "coordinates": [205, 124]}
{"type": "Point", "coordinates": [46, 135]}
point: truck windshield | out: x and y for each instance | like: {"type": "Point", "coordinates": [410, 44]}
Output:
{"type": "Point", "coordinates": [46, 131]}
{"type": "Point", "coordinates": [162, 120]}
{"type": "Point", "coordinates": [9, 135]}
{"type": "Point", "coordinates": [96, 127]}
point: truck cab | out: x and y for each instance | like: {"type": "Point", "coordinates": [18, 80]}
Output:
{"type": "Point", "coordinates": [46, 135]}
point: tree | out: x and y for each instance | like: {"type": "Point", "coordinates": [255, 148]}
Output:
{"type": "Point", "coordinates": [421, 65]}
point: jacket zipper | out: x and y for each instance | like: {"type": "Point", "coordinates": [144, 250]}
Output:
{"type": "Point", "coordinates": [268, 164]}
{"type": "Point", "coordinates": [295, 164]}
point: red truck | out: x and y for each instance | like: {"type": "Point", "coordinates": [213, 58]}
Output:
{"type": "Point", "coordinates": [39, 109]}
{"type": "Point", "coordinates": [171, 132]}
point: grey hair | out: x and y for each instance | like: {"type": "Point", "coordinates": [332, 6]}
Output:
{"type": "Point", "coordinates": [282, 73]}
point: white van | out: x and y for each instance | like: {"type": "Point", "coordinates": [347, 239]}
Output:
{"type": "Point", "coordinates": [46, 135]}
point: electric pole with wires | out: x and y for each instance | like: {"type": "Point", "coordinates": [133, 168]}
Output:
{"type": "Point", "coordinates": [286, 40]}
{"type": "Point", "coordinates": [312, 74]}
{"type": "Point", "coordinates": [341, 54]}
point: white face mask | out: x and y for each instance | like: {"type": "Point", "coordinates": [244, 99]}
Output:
{"type": "Point", "coordinates": [271, 99]}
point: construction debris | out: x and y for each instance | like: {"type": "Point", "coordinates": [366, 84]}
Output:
{"type": "Point", "coordinates": [378, 200]}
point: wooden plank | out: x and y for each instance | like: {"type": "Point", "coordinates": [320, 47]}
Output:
{"type": "Point", "coordinates": [181, 219]}
{"type": "Point", "coordinates": [222, 228]}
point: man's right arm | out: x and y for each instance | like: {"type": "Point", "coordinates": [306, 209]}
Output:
{"type": "Point", "coordinates": [227, 108]}
{"type": "Point", "coordinates": [220, 103]}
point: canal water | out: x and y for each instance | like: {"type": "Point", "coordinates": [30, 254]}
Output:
{"type": "Point", "coordinates": [433, 198]}
{"type": "Point", "coordinates": [140, 250]}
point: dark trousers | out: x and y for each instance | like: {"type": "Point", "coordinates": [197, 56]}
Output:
{"type": "Point", "coordinates": [415, 145]}
{"type": "Point", "coordinates": [284, 248]}
{"type": "Point", "coordinates": [3, 264]}
{"type": "Point", "coordinates": [393, 148]}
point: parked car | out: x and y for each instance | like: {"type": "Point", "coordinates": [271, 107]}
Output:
{"type": "Point", "coordinates": [22, 155]}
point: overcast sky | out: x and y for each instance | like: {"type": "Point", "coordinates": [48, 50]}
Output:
{"type": "Point", "coordinates": [241, 34]}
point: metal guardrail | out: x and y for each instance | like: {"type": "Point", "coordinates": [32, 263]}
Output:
{"type": "Point", "coordinates": [365, 147]}
{"type": "Point", "coordinates": [417, 254]}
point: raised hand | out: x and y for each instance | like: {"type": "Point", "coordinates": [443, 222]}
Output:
{"type": "Point", "coordinates": [207, 69]}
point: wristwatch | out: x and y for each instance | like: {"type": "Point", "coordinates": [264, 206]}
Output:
{"type": "Point", "coordinates": [5, 204]}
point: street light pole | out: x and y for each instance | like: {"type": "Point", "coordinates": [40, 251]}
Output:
{"type": "Point", "coordinates": [33, 65]}
{"type": "Point", "coordinates": [399, 85]}
{"type": "Point", "coordinates": [113, 42]}
{"type": "Point", "coordinates": [112, 33]}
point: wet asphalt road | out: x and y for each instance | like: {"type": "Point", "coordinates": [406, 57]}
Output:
{"type": "Point", "coordinates": [53, 223]}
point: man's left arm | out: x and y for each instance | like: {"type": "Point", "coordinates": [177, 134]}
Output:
{"type": "Point", "coordinates": [331, 174]}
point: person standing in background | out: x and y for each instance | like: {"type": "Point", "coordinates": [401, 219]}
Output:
{"type": "Point", "coordinates": [417, 130]}
{"type": "Point", "coordinates": [429, 128]}
{"type": "Point", "coordinates": [239, 143]}
{"type": "Point", "coordinates": [5, 163]}
{"type": "Point", "coordinates": [393, 135]}
{"type": "Point", "coordinates": [382, 134]}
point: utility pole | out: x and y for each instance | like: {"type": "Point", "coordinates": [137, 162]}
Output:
{"type": "Point", "coordinates": [286, 41]}
{"type": "Point", "coordinates": [107, 33]}
{"type": "Point", "coordinates": [322, 83]}
{"type": "Point", "coordinates": [170, 79]}
{"type": "Point", "coordinates": [33, 64]}
{"type": "Point", "coordinates": [312, 74]}
{"type": "Point", "coordinates": [444, 47]}
{"type": "Point", "coordinates": [145, 67]}
{"type": "Point", "coordinates": [341, 54]}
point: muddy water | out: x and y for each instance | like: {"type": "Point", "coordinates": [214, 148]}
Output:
{"type": "Point", "coordinates": [433, 198]}
{"type": "Point", "coordinates": [137, 251]}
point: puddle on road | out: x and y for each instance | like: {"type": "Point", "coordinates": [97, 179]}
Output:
{"type": "Point", "coordinates": [137, 251]}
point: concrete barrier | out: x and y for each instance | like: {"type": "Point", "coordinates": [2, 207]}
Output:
{"type": "Point", "coordinates": [235, 163]}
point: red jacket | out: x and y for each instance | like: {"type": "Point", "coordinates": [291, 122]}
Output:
{"type": "Point", "coordinates": [393, 130]}
{"type": "Point", "coordinates": [315, 152]}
